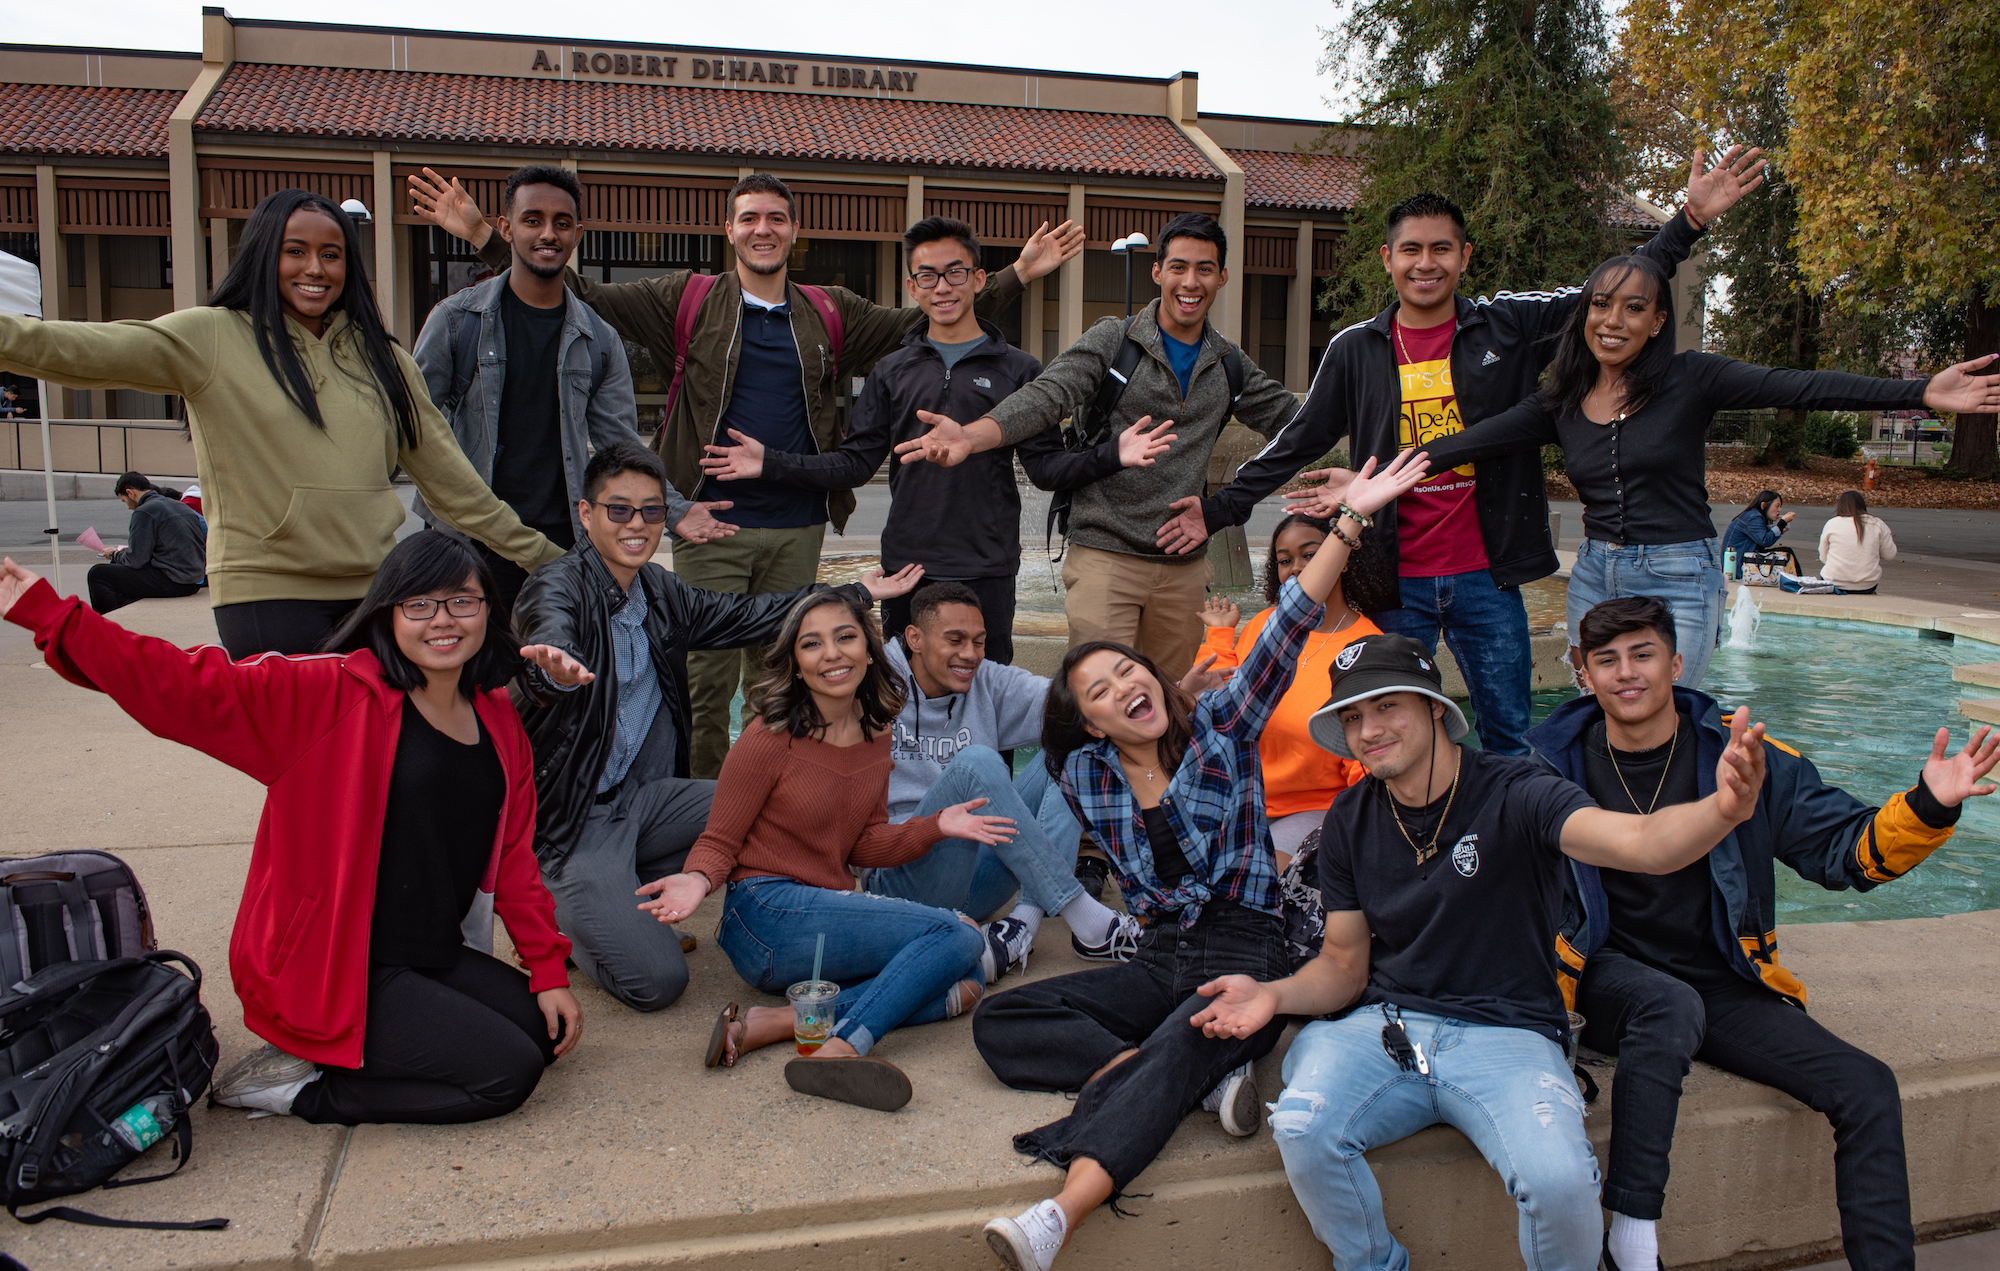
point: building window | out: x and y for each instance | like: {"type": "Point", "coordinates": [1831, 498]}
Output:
{"type": "Point", "coordinates": [27, 247]}
{"type": "Point", "coordinates": [136, 260]}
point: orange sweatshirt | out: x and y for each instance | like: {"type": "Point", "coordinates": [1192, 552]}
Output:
{"type": "Point", "coordinates": [1298, 775]}
{"type": "Point", "coordinates": [801, 809]}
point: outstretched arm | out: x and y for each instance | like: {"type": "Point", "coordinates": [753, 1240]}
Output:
{"type": "Point", "coordinates": [1675, 837]}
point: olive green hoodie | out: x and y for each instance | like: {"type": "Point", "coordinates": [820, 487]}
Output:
{"type": "Point", "coordinates": [294, 512]}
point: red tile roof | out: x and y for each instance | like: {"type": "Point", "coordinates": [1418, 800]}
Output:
{"type": "Point", "coordinates": [76, 120]}
{"type": "Point", "coordinates": [495, 110]}
{"type": "Point", "coordinates": [1289, 180]}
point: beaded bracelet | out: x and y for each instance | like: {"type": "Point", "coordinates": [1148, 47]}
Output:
{"type": "Point", "coordinates": [1365, 522]}
{"type": "Point", "coordinates": [1353, 544]}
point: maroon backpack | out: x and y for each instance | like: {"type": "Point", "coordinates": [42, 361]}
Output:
{"type": "Point", "coordinates": [696, 291]}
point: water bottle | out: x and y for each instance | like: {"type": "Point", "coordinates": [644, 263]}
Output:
{"type": "Point", "coordinates": [144, 1123]}
{"type": "Point", "coordinates": [1729, 564]}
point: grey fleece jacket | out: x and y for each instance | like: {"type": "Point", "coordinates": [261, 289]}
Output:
{"type": "Point", "coordinates": [169, 536]}
{"type": "Point", "coordinates": [1124, 511]}
{"type": "Point", "coordinates": [1002, 709]}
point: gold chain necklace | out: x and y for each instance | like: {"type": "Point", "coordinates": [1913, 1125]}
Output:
{"type": "Point", "coordinates": [1430, 849]}
{"type": "Point", "coordinates": [1657, 790]}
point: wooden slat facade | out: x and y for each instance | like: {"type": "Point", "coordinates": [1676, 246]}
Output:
{"type": "Point", "coordinates": [1325, 245]}
{"type": "Point", "coordinates": [850, 211]}
{"type": "Point", "coordinates": [113, 207]}
{"type": "Point", "coordinates": [662, 205]}
{"type": "Point", "coordinates": [17, 204]}
{"type": "Point", "coordinates": [232, 188]}
{"type": "Point", "coordinates": [1108, 220]}
{"type": "Point", "coordinates": [1273, 252]}
{"type": "Point", "coordinates": [997, 220]}
{"type": "Point", "coordinates": [485, 185]}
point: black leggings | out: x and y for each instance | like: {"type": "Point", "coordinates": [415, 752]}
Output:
{"type": "Point", "coordinates": [442, 1046]}
{"type": "Point", "coordinates": [278, 626]}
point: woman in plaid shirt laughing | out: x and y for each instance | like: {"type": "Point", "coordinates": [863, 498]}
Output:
{"type": "Point", "coordinates": [1174, 792]}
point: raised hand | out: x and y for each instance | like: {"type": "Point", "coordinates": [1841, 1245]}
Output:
{"type": "Point", "coordinates": [1371, 491]}
{"type": "Point", "coordinates": [1952, 781]}
{"type": "Point", "coordinates": [1971, 388]}
{"type": "Point", "coordinates": [1323, 501]}
{"type": "Point", "coordinates": [945, 444]}
{"type": "Point", "coordinates": [1739, 774]}
{"type": "Point", "coordinates": [959, 822]}
{"type": "Point", "coordinates": [1203, 678]}
{"type": "Point", "coordinates": [446, 205]}
{"type": "Point", "coordinates": [1241, 1007]}
{"type": "Point", "coordinates": [888, 586]}
{"type": "Point", "coordinates": [560, 1004]}
{"type": "Point", "coordinates": [1187, 530]}
{"type": "Point", "coordinates": [560, 667]}
{"type": "Point", "coordinates": [1047, 248]}
{"type": "Point", "coordinates": [699, 524]}
{"type": "Point", "coordinates": [743, 461]}
{"type": "Point", "coordinates": [1713, 191]}
{"type": "Point", "coordinates": [674, 897]}
{"type": "Point", "coordinates": [14, 583]}
{"type": "Point", "coordinates": [1139, 446]}
{"type": "Point", "coordinates": [1219, 611]}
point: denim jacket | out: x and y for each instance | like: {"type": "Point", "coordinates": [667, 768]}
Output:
{"type": "Point", "coordinates": [589, 352]}
{"type": "Point", "coordinates": [1215, 799]}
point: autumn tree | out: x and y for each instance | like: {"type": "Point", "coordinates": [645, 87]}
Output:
{"type": "Point", "coordinates": [1502, 108]}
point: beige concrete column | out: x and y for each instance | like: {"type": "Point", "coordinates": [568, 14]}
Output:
{"type": "Point", "coordinates": [1298, 315]}
{"type": "Point", "coordinates": [93, 278]}
{"type": "Point", "coordinates": [384, 213]}
{"type": "Point", "coordinates": [218, 51]}
{"type": "Point", "coordinates": [1032, 315]}
{"type": "Point", "coordinates": [569, 164]}
{"type": "Point", "coordinates": [888, 281]}
{"type": "Point", "coordinates": [913, 211]}
{"type": "Point", "coordinates": [218, 252]}
{"type": "Point", "coordinates": [55, 269]}
{"type": "Point", "coordinates": [1069, 324]}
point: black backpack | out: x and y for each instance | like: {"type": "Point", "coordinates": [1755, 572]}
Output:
{"type": "Point", "coordinates": [1091, 427]}
{"type": "Point", "coordinates": [104, 1044]}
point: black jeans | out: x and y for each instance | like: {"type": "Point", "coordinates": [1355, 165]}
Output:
{"type": "Point", "coordinates": [113, 586]}
{"type": "Point", "coordinates": [1052, 1034]}
{"type": "Point", "coordinates": [278, 626]}
{"type": "Point", "coordinates": [1657, 1024]}
{"type": "Point", "coordinates": [996, 605]}
{"type": "Point", "coordinates": [442, 1047]}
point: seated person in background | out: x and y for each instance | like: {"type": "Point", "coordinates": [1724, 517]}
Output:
{"type": "Point", "coordinates": [1852, 547]}
{"type": "Point", "coordinates": [1173, 791]}
{"type": "Point", "coordinates": [802, 801]}
{"type": "Point", "coordinates": [960, 709]}
{"type": "Point", "coordinates": [1758, 527]}
{"type": "Point", "coordinates": [399, 792]}
{"type": "Point", "coordinates": [605, 700]}
{"type": "Point", "coordinates": [1459, 1018]}
{"type": "Point", "coordinates": [166, 552]}
{"type": "Point", "coordinates": [1300, 779]}
{"type": "Point", "coordinates": [1664, 981]}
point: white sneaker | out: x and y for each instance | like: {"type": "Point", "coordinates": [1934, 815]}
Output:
{"type": "Point", "coordinates": [1030, 1241]}
{"type": "Point", "coordinates": [1119, 944]}
{"type": "Point", "coordinates": [265, 1082]}
{"type": "Point", "coordinates": [1235, 1097]}
{"type": "Point", "coordinates": [1008, 941]}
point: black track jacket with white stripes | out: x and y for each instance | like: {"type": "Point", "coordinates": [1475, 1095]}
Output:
{"type": "Point", "coordinates": [1497, 358]}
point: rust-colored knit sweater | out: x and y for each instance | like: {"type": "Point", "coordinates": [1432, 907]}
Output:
{"type": "Point", "coordinates": [802, 809]}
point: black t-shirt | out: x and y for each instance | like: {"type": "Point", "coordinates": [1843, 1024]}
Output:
{"type": "Point", "coordinates": [1169, 861]}
{"type": "Point", "coordinates": [1471, 933]}
{"type": "Point", "coordinates": [528, 473]}
{"type": "Point", "coordinates": [437, 838]}
{"type": "Point", "coordinates": [1664, 921]}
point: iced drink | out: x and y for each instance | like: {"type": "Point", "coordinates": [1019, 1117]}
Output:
{"type": "Point", "coordinates": [812, 1012]}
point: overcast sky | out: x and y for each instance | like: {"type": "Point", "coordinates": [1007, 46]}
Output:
{"type": "Point", "coordinates": [1256, 58]}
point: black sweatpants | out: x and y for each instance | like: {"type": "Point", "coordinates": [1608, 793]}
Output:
{"type": "Point", "coordinates": [278, 626]}
{"type": "Point", "coordinates": [996, 605]}
{"type": "Point", "coordinates": [1052, 1034]}
{"type": "Point", "coordinates": [1657, 1025]}
{"type": "Point", "coordinates": [113, 586]}
{"type": "Point", "coordinates": [442, 1046]}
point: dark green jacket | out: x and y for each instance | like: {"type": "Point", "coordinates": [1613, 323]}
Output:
{"type": "Point", "coordinates": [643, 312]}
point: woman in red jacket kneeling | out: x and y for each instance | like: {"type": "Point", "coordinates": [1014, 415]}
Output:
{"type": "Point", "coordinates": [399, 819]}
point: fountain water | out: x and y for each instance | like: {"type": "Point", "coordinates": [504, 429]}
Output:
{"type": "Point", "coordinates": [1743, 618]}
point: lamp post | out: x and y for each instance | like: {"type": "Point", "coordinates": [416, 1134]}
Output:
{"type": "Point", "coordinates": [1125, 247]}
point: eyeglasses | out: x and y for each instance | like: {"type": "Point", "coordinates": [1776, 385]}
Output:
{"type": "Point", "coordinates": [928, 278]}
{"type": "Point", "coordinates": [423, 608]}
{"type": "Point", "coordinates": [654, 513]}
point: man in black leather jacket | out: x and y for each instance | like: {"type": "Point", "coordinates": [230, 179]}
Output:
{"type": "Point", "coordinates": [604, 696]}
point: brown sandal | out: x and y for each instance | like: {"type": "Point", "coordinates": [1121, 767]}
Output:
{"type": "Point", "coordinates": [718, 1041]}
{"type": "Point", "coordinates": [861, 1080]}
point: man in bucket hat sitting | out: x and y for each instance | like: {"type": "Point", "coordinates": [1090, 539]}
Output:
{"type": "Point", "coordinates": [1442, 878]}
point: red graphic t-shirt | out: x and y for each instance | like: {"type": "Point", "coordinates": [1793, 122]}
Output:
{"type": "Point", "coordinates": [1437, 524]}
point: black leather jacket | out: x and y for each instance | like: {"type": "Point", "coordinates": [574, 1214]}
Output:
{"type": "Point", "coordinates": [569, 604]}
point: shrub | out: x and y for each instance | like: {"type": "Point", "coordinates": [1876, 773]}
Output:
{"type": "Point", "coordinates": [1831, 433]}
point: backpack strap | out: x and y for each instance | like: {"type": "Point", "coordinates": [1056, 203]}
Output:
{"type": "Point", "coordinates": [1081, 434]}
{"type": "Point", "coordinates": [692, 296]}
{"type": "Point", "coordinates": [1232, 366]}
{"type": "Point", "coordinates": [829, 317]}
{"type": "Point", "coordinates": [464, 362]}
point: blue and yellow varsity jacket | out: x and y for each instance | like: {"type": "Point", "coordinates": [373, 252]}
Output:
{"type": "Point", "coordinates": [1824, 833]}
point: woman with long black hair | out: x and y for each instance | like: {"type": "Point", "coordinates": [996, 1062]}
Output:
{"type": "Point", "coordinates": [1632, 416]}
{"type": "Point", "coordinates": [399, 819]}
{"type": "Point", "coordinates": [302, 407]}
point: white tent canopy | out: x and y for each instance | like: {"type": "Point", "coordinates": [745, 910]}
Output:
{"type": "Point", "coordinates": [21, 293]}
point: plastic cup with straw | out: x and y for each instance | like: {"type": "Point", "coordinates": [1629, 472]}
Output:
{"type": "Point", "coordinates": [813, 1003]}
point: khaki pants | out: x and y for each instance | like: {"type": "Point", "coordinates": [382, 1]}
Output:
{"type": "Point", "coordinates": [751, 563]}
{"type": "Point", "coordinates": [1152, 605]}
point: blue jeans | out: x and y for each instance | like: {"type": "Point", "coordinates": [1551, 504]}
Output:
{"type": "Point", "coordinates": [1507, 1089]}
{"type": "Point", "coordinates": [1486, 629]}
{"type": "Point", "coordinates": [1687, 576]}
{"type": "Point", "coordinates": [893, 959]}
{"type": "Point", "coordinates": [960, 874]}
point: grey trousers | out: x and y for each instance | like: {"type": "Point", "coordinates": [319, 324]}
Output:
{"type": "Point", "coordinates": [641, 835]}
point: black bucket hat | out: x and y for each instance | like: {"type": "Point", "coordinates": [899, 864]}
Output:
{"type": "Point", "coordinates": [1375, 665]}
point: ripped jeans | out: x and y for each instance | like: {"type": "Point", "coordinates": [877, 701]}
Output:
{"type": "Point", "coordinates": [1506, 1089]}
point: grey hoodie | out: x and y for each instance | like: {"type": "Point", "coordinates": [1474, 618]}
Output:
{"type": "Point", "coordinates": [1002, 709]}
